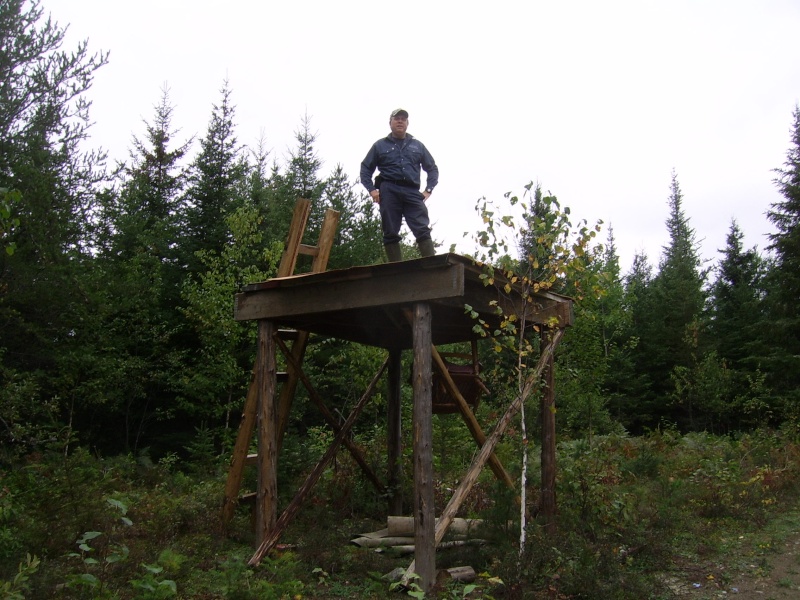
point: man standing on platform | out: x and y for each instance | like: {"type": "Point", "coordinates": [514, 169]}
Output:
{"type": "Point", "coordinates": [398, 158]}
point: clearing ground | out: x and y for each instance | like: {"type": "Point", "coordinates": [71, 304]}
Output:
{"type": "Point", "coordinates": [763, 567]}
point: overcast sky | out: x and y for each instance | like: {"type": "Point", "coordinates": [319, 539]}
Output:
{"type": "Point", "coordinates": [597, 101]}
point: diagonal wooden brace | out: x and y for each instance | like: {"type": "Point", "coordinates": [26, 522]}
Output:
{"type": "Point", "coordinates": [294, 506]}
{"type": "Point", "coordinates": [356, 452]}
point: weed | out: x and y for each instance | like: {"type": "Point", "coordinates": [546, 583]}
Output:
{"type": "Point", "coordinates": [150, 587]}
{"type": "Point", "coordinates": [14, 589]}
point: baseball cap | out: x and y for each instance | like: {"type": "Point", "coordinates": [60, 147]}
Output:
{"type": "Point", "coordinates": [399, 112]}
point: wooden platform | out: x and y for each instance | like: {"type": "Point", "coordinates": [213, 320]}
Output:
{"type": "Point", "coordinates": [365, 304]}
{"type": "Point", "coordinates": [409, 305]}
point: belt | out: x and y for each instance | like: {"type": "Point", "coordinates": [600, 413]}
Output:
{"type": "Point", "coordinates": [402, 183]}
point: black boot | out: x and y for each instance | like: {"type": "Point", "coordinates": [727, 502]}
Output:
{"type": "Point", "coordinates": [393, 252]}
{"type": "Point", "coordinates": [426, 247]}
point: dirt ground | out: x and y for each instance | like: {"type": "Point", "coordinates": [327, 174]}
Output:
{"type": "Point", "coordinates": [776, 576]}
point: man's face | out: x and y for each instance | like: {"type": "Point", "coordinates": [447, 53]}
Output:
{"type": "Point", "coordinates": [399, 124]}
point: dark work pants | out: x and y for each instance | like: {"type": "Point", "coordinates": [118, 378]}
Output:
{"type": "Point", "coordinates": [398, 201]}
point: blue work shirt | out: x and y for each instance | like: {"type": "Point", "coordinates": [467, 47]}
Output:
{"type": "Point", "coordinates": [399, 161]}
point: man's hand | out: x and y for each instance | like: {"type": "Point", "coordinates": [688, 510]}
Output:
{"type": "Point", "coordinates": [425, 195]}
{"type": "Point", "coordinates": [376, 196]}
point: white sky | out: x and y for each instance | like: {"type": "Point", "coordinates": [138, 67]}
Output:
{"type": "Point", "coordinates": [597, 101]}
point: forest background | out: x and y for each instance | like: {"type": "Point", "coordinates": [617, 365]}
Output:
{"type": "Point", "coordinates": [117, 335]}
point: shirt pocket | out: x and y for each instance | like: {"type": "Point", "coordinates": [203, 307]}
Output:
{"type": "Point", "coordinates": [414, 154]}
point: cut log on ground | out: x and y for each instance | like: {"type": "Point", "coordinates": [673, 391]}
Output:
{"type": "Point", "coordinates": [402, 526]}
{"type": "Point", "coordinates": [460, 574]}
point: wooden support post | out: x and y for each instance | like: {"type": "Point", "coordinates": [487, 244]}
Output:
{"type": "Point", "coordinates": [394, 434]}
{"type": "Point", "coordinates": [266, 378]}
{"type": "Point", "coordinates": [457, 499]}
{"type": "Point", "coordinates": [547, 503]}
{"type": "Point", "coordinates": [424, 511]}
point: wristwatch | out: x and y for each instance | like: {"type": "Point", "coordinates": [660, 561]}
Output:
{"type": "Point", "coordinates": [429, 190]}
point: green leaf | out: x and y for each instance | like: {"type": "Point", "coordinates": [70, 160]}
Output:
{"type": "Point", "coordinates": [89, 535]}
{"type": "Point", "coordinates": [154, 569]}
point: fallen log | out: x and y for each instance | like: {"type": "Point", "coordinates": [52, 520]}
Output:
{"type": "Point", "coordinates": [460, 574]}
{"type": "Point", "coordinates": [409, 548]}
{"type": "Point", "coordinates": [382, 542]}
{"type": "Point", "coordinates": [404, 526]}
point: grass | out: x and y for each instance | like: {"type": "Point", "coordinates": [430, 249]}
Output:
{"type": "Point", "coordinates": [638, 518]}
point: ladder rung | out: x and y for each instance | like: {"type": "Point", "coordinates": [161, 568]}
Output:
{"type": "Point", "coordinates": [308, 250]}
{"type": "Point", "coordinates": [288, 334]}
{"type": "Point", "coordinates": [252, 459]}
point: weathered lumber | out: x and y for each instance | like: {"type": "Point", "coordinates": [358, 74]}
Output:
{"type": "Point", "coordinates": [302, 210]}
{"type": "Point", "coordinates": [401, 526]}
{"type": "Point", "coordinates": [547, 415]}
{"type": "Point", "coordinates": [386, 288]}
{"type": "Point", "coordinates": [294, 506]}
{"type": "Point", "coordinates": [239, 458]}
{"type": "Point", "coordinates": [460, 574]}
{"type": "Point", "coordinates": [424, 515]}
{"type": "Point", "coordinates": [394, 437]}
{"type": "Point", "coordinates": [240, 448]}
{"type": "Point", "coordinates": [411, 548]}
{"type": "Point", "coordinates": [478, 462]}
{"type": "Point", "coordinates": [382, 542]}
{"type": "Point", "coordinates": [318, 265]}
{"type": "Point", "coordinates": [267, 502]}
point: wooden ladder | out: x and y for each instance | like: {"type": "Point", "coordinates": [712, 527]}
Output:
{"type": "Point", "coordinates": [294, 247]}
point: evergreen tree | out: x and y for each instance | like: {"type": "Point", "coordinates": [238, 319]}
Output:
{"type": "Point", "coordinates": [736, 305]}
{"type": "Point", "coordinates": [635, 408]}
{"type": "Point", "coordinates": [670, 337]}
{"type": "Point", "coordinates": [141, 277]}
{"type": "Point", "coordinates": [615, 331]}
{"type": "Point", "coordinates": [218, 366]}
{"type": "Point", "coordinates": [257, 178]}
{"type": "Point", "coordinates": [784, 297]}
{"type": "Point", "coordinates": [301, 179]}
{"type": "Point", "coordinates": [737, 334]}
{"type": "Point", "coordinates": [584, 356]}
{"type": "Point", "coordinates": [359, 235]}
{"type": "Point", "coordinates": [49, 182]}
{"type": "Point", "coordinates": [215, 179]}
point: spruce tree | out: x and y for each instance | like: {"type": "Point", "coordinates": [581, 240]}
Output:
{"type": "Point", "coordinates": [49, 181]}
{"type": "Point", "coordinates": [358, 235]}
{"type": "Point", "coordinates": [784, 280]}
{"type": "Point", "coordinates": [141, 268]}
{"type": "Point", "coordinates": [631, 402]}
{"type": "Point", "coordinates": [299, 179]}
{"type": "Point", "coordinates": [671, 337]}
{"type": "Point", "coordinates": [215, 179]}
{"type": "Point", "coordinates": [736, 303]}
{"type": "Point", "coordinates": [737, 329]}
